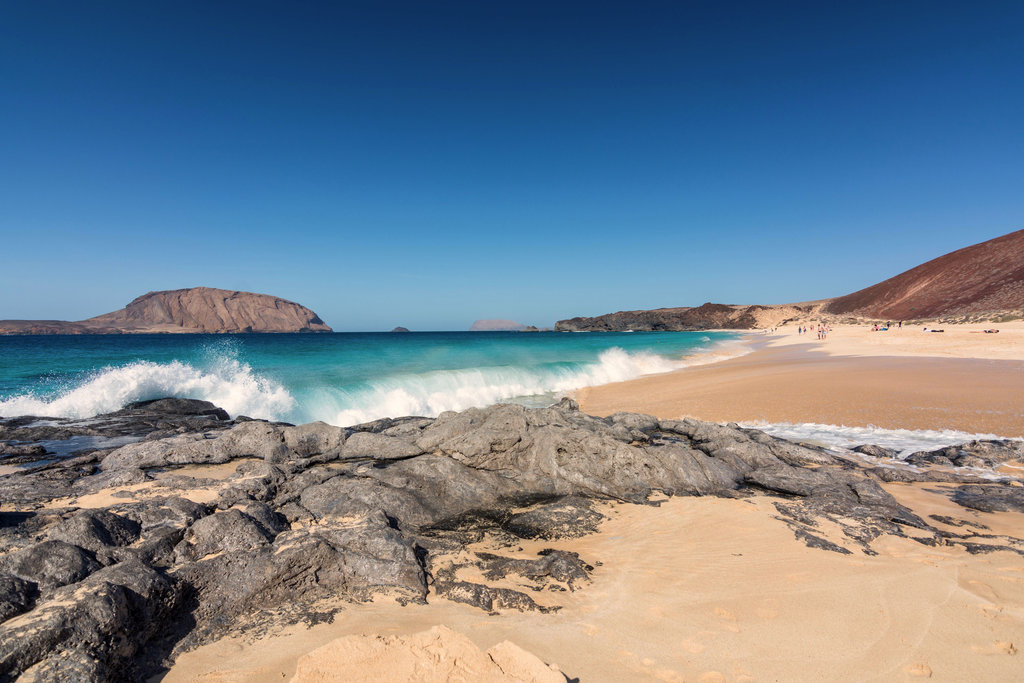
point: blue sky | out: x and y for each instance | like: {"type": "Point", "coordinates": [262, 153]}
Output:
{"type": "Point", "coordinates": [428, 164]}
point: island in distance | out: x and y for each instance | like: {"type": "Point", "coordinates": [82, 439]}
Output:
{"type": "Point", "coordinates": [195, 310]}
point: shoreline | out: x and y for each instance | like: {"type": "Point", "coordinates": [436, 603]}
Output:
{"type": "Point", "coordinates": [670, 551]}
{"type": "Point", "coordinates": [965, 381]}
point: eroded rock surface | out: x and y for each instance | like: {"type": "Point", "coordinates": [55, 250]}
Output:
{"type": "Point", "coordinates": [117, 558]}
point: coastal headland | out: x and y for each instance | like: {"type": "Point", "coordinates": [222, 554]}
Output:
{"type": "Point", "coordinates": [194, 310]}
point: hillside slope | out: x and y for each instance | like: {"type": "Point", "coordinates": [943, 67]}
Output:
{"type": "Point", "coordinates": [983, 277]}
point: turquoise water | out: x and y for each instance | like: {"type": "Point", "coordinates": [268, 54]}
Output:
{"type": "Point", "coordinates": [342, 378]}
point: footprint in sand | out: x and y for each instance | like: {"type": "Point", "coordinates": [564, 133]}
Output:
{"type": "Point", "coordinates": [693, 647]}
{"type": "Point", "coordinates": [919, 670]}
{"type": "Point", "coordinates": [999, 647]}
{"type": "Point", "coordinates": [767, 612]}
{"type": "Point", "coordinates": [729, 618]}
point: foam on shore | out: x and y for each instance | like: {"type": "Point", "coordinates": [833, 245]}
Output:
{"type": "Point", "coordinates": [906, 441]}
{"type": "Point", "coordinates": [235, 386]}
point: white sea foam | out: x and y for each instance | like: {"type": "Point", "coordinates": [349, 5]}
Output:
{"type": "Point", "coordinates": [432, 393]}
{"type": "Point", "coordinates": [236, 387]}
{"type": "Point", "coordinates": [716, 353]}
{"type": "Point", "coordinates": [227, 383]}
{"type": "Point", "coordinates": [906, 441]}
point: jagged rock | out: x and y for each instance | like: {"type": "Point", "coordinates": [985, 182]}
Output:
{"type": "Point", "coordinates": [186, 449]}
{"type": "Point", "coordinates": [222, 532]}
{"type": "Point", "coordinates": [559, 565]}
{"type": "Point", "coordinates": [315, 438]}
{"type": "Point", "coordinates": [487, 598]}
{"type": "Point", "coordinates": [31, 450]}
{"type": "Point", "coordinates": [175, 406]}
{"type": "Point", "coordinates": [789, 480]}
{"type": "Point", "coordinates": [95, 530]}
{"type": "Point", "coordinates": [876, 451]}
{"type": "Point", "coordinates": [353, 558]}
{"type": "Point", "coordinates": [971, 454]}
{"type": "Point", "coordinates": [570, 517]}
{"type": "Point", "coordinates": [990, 498]}
{"type": "Point", "coordinates": [94, 628]}
{"type": "Point", "coordinates": [16, 596]}
{"type": "Point", "coordinates": [172, 512]}
{"type": "Point", "coordinates": [362, 445]}
{"type": "Point", "coordinates": [49, 564]}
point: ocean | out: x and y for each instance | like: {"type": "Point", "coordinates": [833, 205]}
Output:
{"type": "Point", "coordinates": [341, 378]}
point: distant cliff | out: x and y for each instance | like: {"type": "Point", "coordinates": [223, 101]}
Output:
{"type": "Point", "coordinates": [195, 310]}
{"type": "Point", "coordinates": [709, 316]}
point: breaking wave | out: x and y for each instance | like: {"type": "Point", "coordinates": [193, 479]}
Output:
{"type": "Point", "coordinates": [227, 383]}
{"type": "Point", "coordinates": [219, 377]}
{"type": "Point", "coordinates": [432, 393]}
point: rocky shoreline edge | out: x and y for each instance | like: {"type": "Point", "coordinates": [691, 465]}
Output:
{"type": "Point", "coordinates": [132, 537]}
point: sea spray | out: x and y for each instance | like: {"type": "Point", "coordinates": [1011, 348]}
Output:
{"type": "Point", "coordinates": [228, 383]}
{"type": "Point", "coordinates": [338, 378]}
{"type": "Point", "coordinates": [432, 393]}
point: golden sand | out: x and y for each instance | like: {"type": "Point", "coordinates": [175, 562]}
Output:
{"type": "Point", "coordinates": [964, 381]}
{"type": "Point", "coordinates": [712, 589]}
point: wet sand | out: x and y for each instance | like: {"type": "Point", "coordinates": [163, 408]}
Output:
{"type": "Point", "coordinates": [805, 384]}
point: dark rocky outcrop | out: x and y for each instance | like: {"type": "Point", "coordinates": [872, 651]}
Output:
{"type": "Point", "coordinates": [388, 508]}
{"type": "Point", "coordinates": [197, 310]}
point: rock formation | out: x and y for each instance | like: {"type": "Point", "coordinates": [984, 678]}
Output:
{"type": "Point", "coordinates": [169, 559]}
{"type": "Point", "coordinates": [400, 329]}
{"type": "Point", "coordinates": [197, 310]}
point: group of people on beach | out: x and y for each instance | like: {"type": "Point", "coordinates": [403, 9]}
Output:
{"type": "Point", "coordinates": [822, 330]}
{"type": "Point", "coordinates": [878, 327]}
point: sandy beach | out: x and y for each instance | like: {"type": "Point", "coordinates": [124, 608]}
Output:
{"type": "Point", "coordinates": [718, 589]}
{"type": "Point", "coordinates": [960, 379]}
{"type": "Point", "coordinates": [709, 589]}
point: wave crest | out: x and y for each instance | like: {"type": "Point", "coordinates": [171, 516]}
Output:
{"type": "Point", "coordinates": [432, 393]}
{"type": "Point", "coordinates": [228, 384]}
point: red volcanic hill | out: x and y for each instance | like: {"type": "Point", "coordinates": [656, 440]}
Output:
{"type": "Point", "coordinates": [984, 277]}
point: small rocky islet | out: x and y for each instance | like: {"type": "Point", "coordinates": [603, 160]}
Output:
{"type": "Point", "coordinates": [131, 537]}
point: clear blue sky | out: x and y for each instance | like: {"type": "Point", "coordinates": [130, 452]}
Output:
{"type": "Point", "coordinates": [430, 163]}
